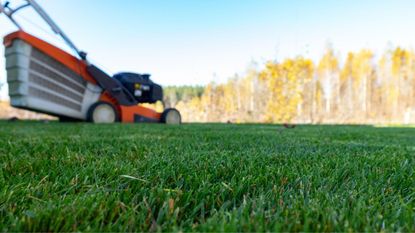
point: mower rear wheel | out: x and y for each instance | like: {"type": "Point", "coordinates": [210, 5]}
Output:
{"type": "Point", "coordinates": [102, 112]}
{"type": "Point", "coordinates": [171, 116]}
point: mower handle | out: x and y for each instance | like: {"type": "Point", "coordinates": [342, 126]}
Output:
{"type": "Point", "coordinates": [5, 9]}
{"type": "Point", "coordinates": [42, 13]}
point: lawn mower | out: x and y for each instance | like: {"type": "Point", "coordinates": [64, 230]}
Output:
{"type": "Point", "coordinates": [46, 79]}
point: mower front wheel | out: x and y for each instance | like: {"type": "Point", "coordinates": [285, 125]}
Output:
{"type": "Point", "coordinates": [171, 116]}
{"type": "Point", "coordinates": [102, 112]}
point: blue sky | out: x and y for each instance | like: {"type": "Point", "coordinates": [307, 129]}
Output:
{"type": "Point", "coordinates": [195, 42]}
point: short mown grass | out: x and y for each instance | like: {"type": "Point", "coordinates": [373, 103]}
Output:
{"type": "Point", "coordinates": [205, 177]}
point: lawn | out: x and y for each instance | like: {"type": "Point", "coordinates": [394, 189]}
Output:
{"type": "Point", "coordinates": [205, 177]}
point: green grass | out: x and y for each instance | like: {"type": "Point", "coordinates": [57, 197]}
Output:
{"type": "Point", "coordinates": [205, 177]}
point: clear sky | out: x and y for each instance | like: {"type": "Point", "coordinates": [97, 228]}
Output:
{"type": "Point", "coordinates": [194, 42]}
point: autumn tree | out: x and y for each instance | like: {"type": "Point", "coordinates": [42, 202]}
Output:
{"type": "Point", "coordinates": [285, 82]}
{"type": "Point", "coordinates": [328, 76]}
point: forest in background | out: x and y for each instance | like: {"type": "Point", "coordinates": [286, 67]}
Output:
{"type": "Point", "coordinates": [361, 88]}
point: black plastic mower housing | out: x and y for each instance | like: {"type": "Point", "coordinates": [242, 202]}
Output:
{"type": "Point", "coordinates": [141, 87]}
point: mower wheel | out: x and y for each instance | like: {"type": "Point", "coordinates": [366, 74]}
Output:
{"type": "Point", "coordinates": [171, 116]}
{"type": "Point", "coordinates": [102, 112]}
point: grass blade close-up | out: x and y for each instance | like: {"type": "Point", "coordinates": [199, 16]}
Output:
{"type": "Point", "coordinates": [205, 177]}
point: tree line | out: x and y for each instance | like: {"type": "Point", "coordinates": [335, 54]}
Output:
{"type": "Point", "coordinates": [361, 88]}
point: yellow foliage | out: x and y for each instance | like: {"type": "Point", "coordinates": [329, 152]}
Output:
{"type": "Point", "coordinates": [285, 82]}
{"type": "Point", "coordinates": [359, 90]}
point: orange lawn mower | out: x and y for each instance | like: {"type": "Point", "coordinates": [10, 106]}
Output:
{"type": "Point", "coordinates": [46, 79]}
